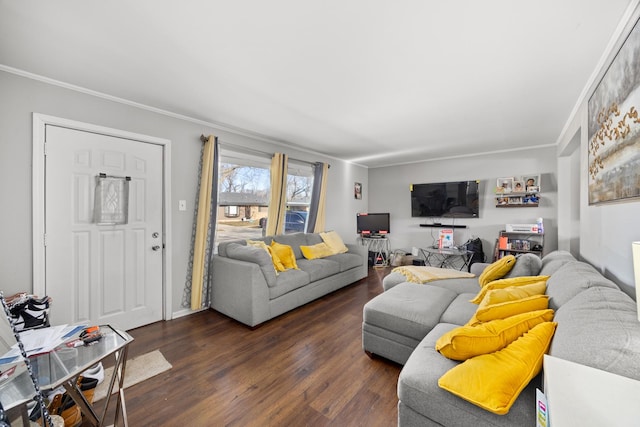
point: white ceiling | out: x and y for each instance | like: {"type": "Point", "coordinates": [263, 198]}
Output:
{"type": "Point", "coordinates": [376, 82]}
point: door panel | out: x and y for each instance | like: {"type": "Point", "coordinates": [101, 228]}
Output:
{"type": "Point", "coordinates": [102, 273]}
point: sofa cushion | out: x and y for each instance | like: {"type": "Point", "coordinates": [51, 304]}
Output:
{"type": "Point", "coordinates": [497, 270]}
{"type": "Point", "coordinates": [553, 261]}
{"type": "Point", "coordinates": [459, 311]}
{"type": "Point", "coordinates": [285, 254]}
{"type": "Point", "coordinates": [287, 281]}
{"type": "Point", "coordinates": [347, 261]}
{"type": "Point", "coordinates": [295, 240]}
{"type": "Point", "coordinates": [526, 265]}
{"type": "Point", "coordinates": [572, 278]}
{"type": "Point", "coordinates": [319, 268]}
{"type": "Point", "coordinates": [222, 247]}
{"type": "Point", "coordinates": [599, 328]}
{"type": "Point", "coordinates": [418, 389]}
{"type": "Point", "coordinates": [507, 283]}
{"type": "Point", "coordinates": [465, 342]}
{"type": "Point", "coordinates": [494, 381]}
{"type": "Point", "coordinates": [255, 255]}
{"type": "Point", "coordinates": [513, 293]}
{"type": "Point", "coordinates": [334, 241]}
{"type": "Point", "coordinates": [409, 309]}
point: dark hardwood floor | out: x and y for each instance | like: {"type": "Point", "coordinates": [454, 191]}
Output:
{"type": "Point", "coordinates": [304, 368]}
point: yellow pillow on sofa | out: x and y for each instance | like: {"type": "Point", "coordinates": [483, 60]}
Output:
{"type": "Point", "coordinates": [319, 250]}
{"type": "Point", "coordinates": [465, 342]}
{"type": "Point", "coordinates": [512, 293]}
{"type": "Point", "coordinates": [497, 270]}
{"type": "Point", "coordinates": [334, 241]}
{"type": "Point", "coordinates": [286, 255]}
{"type": "Point", "coordinates": [494, 381]}
{"type": "Point", "coordinates": [277, 264]}
{"type": "Point", "coordinates": [487, 312]}
{"type": "Point", "coordinates": [505, 283]}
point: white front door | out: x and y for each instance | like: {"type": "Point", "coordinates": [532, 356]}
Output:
{"type": "Point", "coordinates": [102, 274]}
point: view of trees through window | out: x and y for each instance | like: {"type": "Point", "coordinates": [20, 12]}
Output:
{"type": "Point", "coordinates": [243, 197]}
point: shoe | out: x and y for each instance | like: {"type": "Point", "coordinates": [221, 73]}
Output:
{"type": "Point", "coordinates": [64, 406]}
{"type": "Point", "coordinates": [96, 371]}
{"type": "Point", "coordinates": [88, 387]}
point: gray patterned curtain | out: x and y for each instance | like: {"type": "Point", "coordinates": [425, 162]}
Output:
{"type": "Point", "coordinates": [197, 288]}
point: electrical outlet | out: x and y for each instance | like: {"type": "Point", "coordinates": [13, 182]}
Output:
{"type": "Point", "coordinates": [182, 205]}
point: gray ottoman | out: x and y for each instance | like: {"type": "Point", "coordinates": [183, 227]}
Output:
{"type": "Point", "coordinates": [395, 321]}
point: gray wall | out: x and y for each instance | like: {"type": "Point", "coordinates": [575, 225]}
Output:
{"type": "Point", "coordinates": [21, 97]}
{"type": "Point", "coordinates": [390, 193]}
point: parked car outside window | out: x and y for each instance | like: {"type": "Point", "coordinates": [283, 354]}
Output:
{"type": "Point", "coordinates": [294, 221]}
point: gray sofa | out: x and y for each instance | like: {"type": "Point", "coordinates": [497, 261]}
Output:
{"type": "Point", "coordinates": [597, 326]}
{"type": "Point", "coordinates": [247, 289]}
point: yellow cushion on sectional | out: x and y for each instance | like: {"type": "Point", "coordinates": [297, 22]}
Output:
{"type": "Point", "coordinates": [512, 293]}
{"type": "Point", "coordinates": [487, 312]}
{"type": "Point", "coordinates": [494, 381]}
{"type": "Point", "coordinates": [505, 283]}
{"type": "Point", "coordinates": [465, 342]}
{"type": "Point", "coordinates": [277, 264]}
{"type": "Point", "coordinates": [286, 255]}
{"type": "Point", "coordinates": [334, 241]}
{"type": "Point", "coordinates": [319, 250]}
{"type": "Point", "coordinates": [497, 270]}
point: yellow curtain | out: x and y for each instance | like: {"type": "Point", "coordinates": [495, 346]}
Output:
{"type": "Point", "coordinates": [322, 202]}
{"type": "Point", "coordinates": [278, 199]}
{"type": "Point", "coordinates": [202, 223]}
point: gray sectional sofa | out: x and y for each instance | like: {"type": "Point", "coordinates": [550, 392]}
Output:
{"type": "Point", "coordinates": [597, 326]}
{"type": "Point", "coordinates": [247, 288]}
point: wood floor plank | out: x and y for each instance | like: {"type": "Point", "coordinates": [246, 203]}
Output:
{"type": "Point", "coordinates": [304, 368]}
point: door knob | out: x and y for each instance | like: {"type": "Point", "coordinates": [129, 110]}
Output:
{"type": "Point", "coordinates": [155, 247]}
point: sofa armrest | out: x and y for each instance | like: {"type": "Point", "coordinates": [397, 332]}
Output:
{"type": "Point", "coordinates": [239, 290]}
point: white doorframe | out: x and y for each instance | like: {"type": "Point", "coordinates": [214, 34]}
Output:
{"type": "Point", "coordinates": [38, 201]}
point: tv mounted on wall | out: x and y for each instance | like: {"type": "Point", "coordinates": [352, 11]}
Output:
{"type": "Point", "coordinates": [459, 199]}
{"type": "Point", "coordinates": [372, 224]}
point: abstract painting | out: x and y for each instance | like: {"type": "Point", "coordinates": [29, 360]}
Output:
{"type": "Point", "coordinates": [614, 128]}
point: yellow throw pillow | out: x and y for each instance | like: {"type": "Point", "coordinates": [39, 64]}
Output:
{"type": "Point", "coordinates": [505, 283]}
{"type": "Point", "coordinates": [465, 342]}
{"type": "Point", "coordinates": [277, 264]}
{"type": "Point", "coordinates": [319, 250]}
{"type": "Point", "coordinates": [497, 270]}
{"type": "Point", "coordinates": [334, 241]}
{"type": "Point", "coordinates": [486, 312]}
{"type": "Point", "coordinates": [286, 255]}
{"type": "Point", "coordinates": [512, 293]}
{"type": "Point", "coordinates": [494, 381]}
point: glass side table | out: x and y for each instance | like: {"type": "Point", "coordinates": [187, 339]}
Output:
{"type": "Point", "coordinates": [63, 366]}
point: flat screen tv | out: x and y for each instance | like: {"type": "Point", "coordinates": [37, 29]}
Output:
{"type": "Point", "coordinates": [445, 199]}
{"type": "Point", "coordinates": [372, 224]}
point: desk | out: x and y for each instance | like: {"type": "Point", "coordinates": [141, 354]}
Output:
{"type": "Point", "coordinates": [446, 257]}
{"type": "Point", "coordinates": [63, 366]}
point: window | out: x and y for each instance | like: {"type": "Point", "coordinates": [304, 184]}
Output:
{"type": "Point", "coordinates": [299, 188]}
{"type": "Point", "coordinates": [243, 196]}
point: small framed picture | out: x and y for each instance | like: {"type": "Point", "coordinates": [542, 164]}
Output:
{"type": "Point", "coordinates": [531, 183]}
{"type": "Point", "coordinates": [357, 190]}
{"type": "Point", "coordinates": [515, 200]}
{"type": "Point", "coordinates": [518, 187]}
{"type": "Point", "coordinates": [504, 185]}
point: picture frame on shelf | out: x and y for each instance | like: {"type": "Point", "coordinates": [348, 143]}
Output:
{"type": "Point", "coordinates": [531, 183]}
{"type": "Point", "coordinates": [518, 186]}
{"type": "Point", "coordinates": [504, 185]}
{"type": "Point", "coordinates": [515, 200]}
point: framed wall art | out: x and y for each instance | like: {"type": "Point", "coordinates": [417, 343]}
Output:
{"type": "Point", "coordinates": [614, 128]}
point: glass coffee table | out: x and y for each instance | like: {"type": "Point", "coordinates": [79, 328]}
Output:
{"type": "Point", "coordinates": [453, 258]}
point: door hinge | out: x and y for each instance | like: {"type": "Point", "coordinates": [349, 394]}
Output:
{"type": "Point", "coordinates": [44, 239]}
{"type": "Point", "coordinates": [45, 149]}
